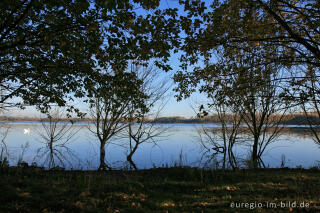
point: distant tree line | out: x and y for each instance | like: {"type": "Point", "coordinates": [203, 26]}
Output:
{"type": "Point", "coordinates": [297, 119]}
{"type": "Point", "coordinates": [293, 119]}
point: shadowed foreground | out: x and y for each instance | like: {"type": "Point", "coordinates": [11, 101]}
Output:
{"type": "Point", "coordinates": [158, 190]}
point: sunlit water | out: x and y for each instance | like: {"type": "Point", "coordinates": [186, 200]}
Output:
{"type": "Point", "coordinates": [179, 146]}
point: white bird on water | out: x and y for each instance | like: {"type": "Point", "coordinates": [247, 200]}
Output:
{"type": "Point", "coordinates": [26, 131]}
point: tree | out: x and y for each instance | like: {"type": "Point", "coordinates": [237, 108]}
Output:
{"type": "Point", "coordinates": [263, 110]}
{"type": "Point", "coordinates": [299, 21]}
{"type": "Point", "coordinates": [222, 140]}
{"type": "Point", "coordinates": [45, 47]}
{"type": "Point", "coordinates": [109, 109]}
{"type": "Point", "coordinates": [308, 92]}
{"type": "Point", "coordinates": [51, 51]}
{"type": "Point", "coordinates": [270, 41]}
{"type": "Point", "coordinates": [290, 26]}
{"type": "Point", "coordinates": [250, 86]}
{"type": "Point", "coordinates": [56, 135]}
{"type": "Point", "coordinates": [4, 131]}
{"type": "Point", "coordinates": [140, 130]}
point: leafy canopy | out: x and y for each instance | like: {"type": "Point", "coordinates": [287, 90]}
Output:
{"type": "Point", "coordinates": [53, 51]}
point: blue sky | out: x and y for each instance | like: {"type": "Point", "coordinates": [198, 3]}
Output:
{"type": "Point", "coordinates": [173, 108]}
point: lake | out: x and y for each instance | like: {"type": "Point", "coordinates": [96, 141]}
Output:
{"type": "Point", "coordinates": [179, 146]}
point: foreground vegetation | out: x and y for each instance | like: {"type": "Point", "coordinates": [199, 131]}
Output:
{"type": "Point", "coordinates": [157, 190]}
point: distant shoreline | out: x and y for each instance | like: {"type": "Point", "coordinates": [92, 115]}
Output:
{"type": "Point", "coordinates": [160, 123]}
{"type": "Point", "coordinates": [292, 120]}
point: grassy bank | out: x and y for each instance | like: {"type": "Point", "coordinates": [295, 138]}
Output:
{"type": "Point", "coordinates": [159, 190]}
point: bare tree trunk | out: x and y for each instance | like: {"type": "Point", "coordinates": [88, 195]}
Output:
{"type": "Point", "coordinates": [255, 153]}
{"type": "Point", "coordinates": [224, 144]}
{"type": "Point", "coordinates": [103, 165]}
{"type": "Point", "coordinates": [51, 160]}
{"type": "Point", "coordinates": [132, 163]}
{"type": "Point", "coordinates": [232, 159]}
{"type": "Point", "coordinates": [224, 160]}
{"type": "Point", "coordinates": [129, 157]}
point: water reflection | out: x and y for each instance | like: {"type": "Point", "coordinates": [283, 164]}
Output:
{"type": "Point", "coordinates": [181, 147]}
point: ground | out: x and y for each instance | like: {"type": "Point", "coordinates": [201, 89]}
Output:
{"type": "Point", "coordinates": [160, 190]}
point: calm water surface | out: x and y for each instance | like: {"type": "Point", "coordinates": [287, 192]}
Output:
{"type": "Point", "coordinates": [180, 146]}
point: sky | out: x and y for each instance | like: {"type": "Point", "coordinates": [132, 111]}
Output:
{"type": "Point", "coordinates": [184, 108]}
